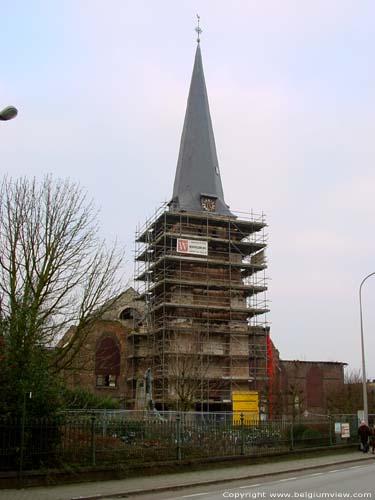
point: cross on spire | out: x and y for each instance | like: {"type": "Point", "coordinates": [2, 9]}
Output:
{"type": "Point", "coordinates": [198, 29]}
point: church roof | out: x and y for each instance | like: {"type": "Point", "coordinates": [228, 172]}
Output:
{"type": "Point", "coordinates": [198, 173]}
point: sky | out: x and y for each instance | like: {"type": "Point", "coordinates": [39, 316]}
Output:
{"type": "Point", "coordinates": [101, 89]}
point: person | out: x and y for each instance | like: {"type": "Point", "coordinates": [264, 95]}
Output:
{"type": "Point", "coordinates": [363, 434]}
{"type": "Point", "coordinates": [372, 440]}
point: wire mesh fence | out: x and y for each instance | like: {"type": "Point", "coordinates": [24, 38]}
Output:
{"type": "Point", "coordinates": [129, 437]}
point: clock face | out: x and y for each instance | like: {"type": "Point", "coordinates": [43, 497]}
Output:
{"type": "Point", "coordinates": [208, 204]}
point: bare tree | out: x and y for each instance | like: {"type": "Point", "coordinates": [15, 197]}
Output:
{"type": "Point", "coordinates": [54, 269]}
{"type": "Point", "coordinates": [352, 376]}
{"type": "Point", "coordinates": [349, 399]}
{"type": "Point", "coordinates": [185, 378]}
{"type": "Point", "coordinates": [295, 401]}
{"type": "Point", "coordinates": [188, 373]}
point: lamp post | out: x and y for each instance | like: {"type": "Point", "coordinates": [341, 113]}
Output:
{"type": "Point", "coordinates": [8, 113]}
{"type": "Point", "coordinates": [364, 381]}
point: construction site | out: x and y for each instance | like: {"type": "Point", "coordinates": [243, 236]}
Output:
{"type": "Point", "coordinates": [193, 333]}
{"type": "Point", "coordinates": [200, 273]}
{"type": "Point", "coordinates": [202, 278]}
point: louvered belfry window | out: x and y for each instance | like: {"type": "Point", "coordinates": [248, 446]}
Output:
{"type": "Point", "coordinates": [107, 363]}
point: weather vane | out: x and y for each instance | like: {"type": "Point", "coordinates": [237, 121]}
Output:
{"type": "Point", "coordinates": [198, 29]}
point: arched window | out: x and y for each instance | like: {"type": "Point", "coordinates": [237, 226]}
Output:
{"type": "Point", "coordinates": [129, 313]}
{"type": "Point", "coordinates": [107, 363]}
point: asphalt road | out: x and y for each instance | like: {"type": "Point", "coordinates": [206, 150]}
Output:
{"type": "Point", "coordinates": [351, 470]}
{"type": "Point", "coordinates": [342, 482]}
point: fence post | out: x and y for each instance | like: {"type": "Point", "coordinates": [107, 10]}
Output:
{"type": "Point", "coordinates": [292, 436]}
{"type": "Point", "coordinates": [22, 445]}
{"type": "Point", "coordinates": [242, 452]}
{"type": "Point", "coordinates": [178, 436]}
{"type": "Point", "coordinates": [93, 451]}
{"type": "Point", "coordinates": [330, 430]}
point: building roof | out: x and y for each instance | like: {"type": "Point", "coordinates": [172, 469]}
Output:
{"type": "Point", "coordinates": [197, 173]}
{"type": "Point", "coordinates": [313, 362]}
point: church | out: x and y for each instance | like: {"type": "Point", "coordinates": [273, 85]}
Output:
{"type": "Point", "coordinates": [196, 321]}
{"type": "Point", "coordinates": [202, 274]}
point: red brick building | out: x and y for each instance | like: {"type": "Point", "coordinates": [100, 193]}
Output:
{"type": "Point", "coordinates": [101, 363]}
{"type": "Point", "coordinates": [301, 386]}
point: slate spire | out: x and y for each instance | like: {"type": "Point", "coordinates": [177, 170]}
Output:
{"type": "Point", "coordinates": [198, 175]}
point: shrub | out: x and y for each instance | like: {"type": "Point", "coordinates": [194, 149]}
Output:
{"type": "Point", "coordinates": [82, 399]}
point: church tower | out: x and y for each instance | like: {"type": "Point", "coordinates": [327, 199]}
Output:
{"type": "Point", "coordinates": [200, 270]}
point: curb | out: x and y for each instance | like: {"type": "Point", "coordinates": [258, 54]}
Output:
{"type": "Point", "coordinates": [213, 481]}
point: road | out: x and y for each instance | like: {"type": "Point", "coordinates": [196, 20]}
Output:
{"type": "Point", "coordinates": [342, 482]}
{"type": "Point", "coordinates": [335, 472]}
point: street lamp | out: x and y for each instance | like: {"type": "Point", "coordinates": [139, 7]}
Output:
{"type": "Point", "coordinates": [8, 113]}
{"type": "Point", "coordinates": [364, 381]}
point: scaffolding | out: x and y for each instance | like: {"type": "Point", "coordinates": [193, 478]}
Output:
{"type": "Point", "coordinates": [204, 332]}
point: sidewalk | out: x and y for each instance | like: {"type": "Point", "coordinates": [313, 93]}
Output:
{"type": "Point", "coordinates": [171, 481]}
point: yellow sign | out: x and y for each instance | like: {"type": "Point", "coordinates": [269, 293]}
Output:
{"type": "Point", "coordinates": [246, 402]}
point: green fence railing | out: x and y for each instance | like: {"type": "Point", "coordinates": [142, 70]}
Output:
{"type": "Point", "coordinates": [100, 437]}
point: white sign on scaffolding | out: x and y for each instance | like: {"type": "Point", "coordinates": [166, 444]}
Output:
{"type": "Point", "coordinates": [195, 247]}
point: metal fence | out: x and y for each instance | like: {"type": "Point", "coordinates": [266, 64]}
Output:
{"type": "Point", "coordinates": [128, 437]}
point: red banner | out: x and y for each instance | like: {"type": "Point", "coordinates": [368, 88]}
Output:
{"type": "Point", "coordinates": [269, 371]}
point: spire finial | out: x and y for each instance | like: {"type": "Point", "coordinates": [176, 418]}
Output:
{"type": "Point", "coordinates": [198, 29]}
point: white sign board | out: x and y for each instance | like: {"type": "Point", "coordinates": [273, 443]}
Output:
{"type": "Point", "coordinates": [345, 430]}
{"type": "Point", "coordinates": [194, 247]}
{"type": "Point", "coordinates": [360, 415]}
{"type": "Point", "coordinates": [337, 428]}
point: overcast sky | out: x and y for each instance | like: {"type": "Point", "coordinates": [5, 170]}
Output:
{"type": "Point", "coordinates": [101, 88]}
